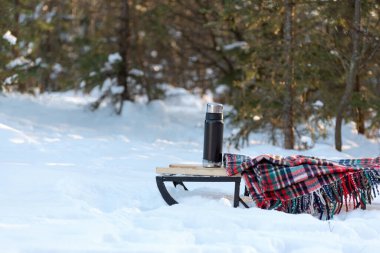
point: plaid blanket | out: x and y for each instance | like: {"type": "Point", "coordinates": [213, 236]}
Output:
{"type": "Point", "coordinates": [298, 184]}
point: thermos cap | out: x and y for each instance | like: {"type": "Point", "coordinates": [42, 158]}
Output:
{"type": "Point", "coordinates": [214, 108]}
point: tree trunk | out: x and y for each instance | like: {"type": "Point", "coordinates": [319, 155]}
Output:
{"type": "Point", "coordinates": [139, 56]}
{"type": "Point", "coordinates": [124, 46]}
{"type": "Point", "coordinates": [46, 49]}
{"type": "Point", "coordinates": [350, 79]}
{"type": "Point", "coordinates": [360, 126]}
{"type": "Point", "coordinates": [15, 31]}
{"type": "Point", "coordinates": [288, 123]}
{"type": "Point", "coordinates": [16, 5]}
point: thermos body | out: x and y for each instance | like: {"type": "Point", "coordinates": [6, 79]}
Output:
{"type": "Point", "coordinates": [213, 136]}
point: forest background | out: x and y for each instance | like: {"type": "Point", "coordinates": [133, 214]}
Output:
{"type": "Point", "coordinates": [288, 68]}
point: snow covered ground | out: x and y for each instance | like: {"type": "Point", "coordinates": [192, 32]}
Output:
{"type": "Point", "coordinates": [72, 180]}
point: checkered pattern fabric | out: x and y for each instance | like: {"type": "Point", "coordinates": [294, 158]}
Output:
{"type": "Point", "coordinates": [298, 184]}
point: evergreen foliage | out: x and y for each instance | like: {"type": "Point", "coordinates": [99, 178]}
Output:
{"type": "Point", "coordinates": [241, 46]}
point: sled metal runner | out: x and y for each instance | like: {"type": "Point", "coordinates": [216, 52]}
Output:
{"type": "Point", "coordinates": [178, 174]}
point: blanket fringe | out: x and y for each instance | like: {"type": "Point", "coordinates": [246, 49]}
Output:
{"type": "Point", "coordinates": [352, 191]}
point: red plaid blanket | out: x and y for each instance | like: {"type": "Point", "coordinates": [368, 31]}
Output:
{"type": "Point", "coordinates": [298, 184]}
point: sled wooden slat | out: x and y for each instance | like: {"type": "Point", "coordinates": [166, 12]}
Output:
{"type": "Point", "coordinates": [192, 170]}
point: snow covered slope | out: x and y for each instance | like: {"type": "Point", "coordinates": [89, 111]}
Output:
{"type": "Point", "coordinates": [72, 180]}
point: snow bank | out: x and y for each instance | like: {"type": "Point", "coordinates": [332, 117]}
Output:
{"type": "Point", "coordinates": [72, 180]}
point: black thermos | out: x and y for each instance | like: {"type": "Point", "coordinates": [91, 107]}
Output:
{"type": "Point", "coordinates": [213, 136]}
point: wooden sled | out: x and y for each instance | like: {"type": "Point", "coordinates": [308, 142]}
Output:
{"type": "Point", "coordinates": [180, 173]}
